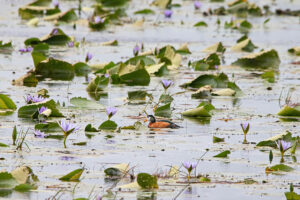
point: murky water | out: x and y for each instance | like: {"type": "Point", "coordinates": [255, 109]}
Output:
{"type": "Point", "coordinates": [150, 151]}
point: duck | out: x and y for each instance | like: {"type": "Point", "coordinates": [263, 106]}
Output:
{"type": "Point", "coordinates": [160, 123]}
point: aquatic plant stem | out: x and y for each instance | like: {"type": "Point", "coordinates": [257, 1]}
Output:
{"type": "Point", "coordinates": [65, 138]}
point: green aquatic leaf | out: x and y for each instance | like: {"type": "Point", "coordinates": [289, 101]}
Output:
{"type": "Point", "coordinates": [55, 69]}
{"type": "Point", "coordinates": [163, 111]}
{"type": "Point", "coordinates": [263, 60]}
{"type": "Point", "coordinates": [201, 23]}
{"type": "Point", "coordinates": [244, 45]}
{"type": "Point", "coordinates": [3, 145]}
{"type": "Point", "coordinates": [288, 111]}
{"type": "Point", "coordinates": [14, 135]}
{"type": "Point", "coordinates": [6, 104]}
{"type": "Point", "coordinates": [165, 98]}
{"type": "Point", "coordinates": [295, 51]}
{"type": "Point", "coordinates": [113, 3]}
{"type": "Point", "coordinates": [7, 181]}
{"type": "Point", "coordinates": [81, 69]}
{"type": "Point", "coordinates": [281, 167]}
{"type": "Point", "coordinates": [137, 77]}
{"type": "Point", "coordinates": [223, 154]}
{"type": "Point", "coordinates": [81, 102]}
{"type": "Point", "coordinates": [113, 172]}
{"type": "Point", "coordinates": [147, 181]}
{"type": "Point", "coordinates": [162, 3]}
{"type": "Point", "coordinates": [137, 95]}
{"type": "Point", "coordinates": [269, 76]}
{"type": "Point", "coordinates": [29, 110]}
{"type": "Point", "coordinates": [145, 11]}
{"type": "Point", "coordinates": [48, 127]}
{"type": "Point", "coordinates": [197, 112]}
{"type": "Point", "coordinates": [73, 176]}
{"type": "Point", "coordinates": [108, 125]}
{"type": "Point", "coordinates": [90, 128]}
{"type": "Point", "coordinates": [5, 46]}
{"type": "Point", "coordinates": [38, 57]}
{"type": "Point", "coordinates": [97, 84]}
{"type": "Point", "coordinates": [24, 187]}
{"type": "Point", "coordinates": [292, 196]}
{"type": "Point", "coordinates": [217, 139]}
{"type": "Point", "coordinates": [67, 16]}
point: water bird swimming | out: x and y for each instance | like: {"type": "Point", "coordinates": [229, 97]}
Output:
{"type": "Point", "coordinates": [161, 123]}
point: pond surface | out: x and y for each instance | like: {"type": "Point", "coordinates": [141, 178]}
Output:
{"type": "Point", "coordinates": [154, 151]}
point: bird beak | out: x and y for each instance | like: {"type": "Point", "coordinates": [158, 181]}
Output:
{"type": "Point", "coordinates": [146, 120]}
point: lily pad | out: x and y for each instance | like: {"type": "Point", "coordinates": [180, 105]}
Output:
{"type": "Point", "coordinates": [206, 63]}
{"type": "Point", "coordinates": [295, 51]}
{"type": "Point", "coordinates": [263, 59]}
{"type": "Point", "coordinates": [202, 110]}
{"type": "Point", "coordinates": [48, 127]}
{"type": "Point", "coordinates": [81, 69]}
{"type": "Point", "coordinates": [55, 69]}
{"type": "Point", "coordinates": [28, 111]}
{"type": "Point", "coordinates": [224, 92]}
{"type": "Point", "coordinates": [217, 139]}
{"type": "Point", "coordinates": [223, 154]}
{"type": "Point", "coordinates": [97, 84]}
{"type": "Point", "coordinates": [269, 76]}
{"type": "Point", "coordinates": [145, 11]}
{"type": "Point", "coordinates": [7, 106]}
{"type": "Point", "coordinates": [215, 48]}
{"type": "Point", "coordinates": [147, 181]}
{"type": "Point", "coordinates": [201, 23]}
{"type": "Point", "coordinates": [244, 45]}
{"type": "Point", "coordinates": [72, 176]}
{"type": "Point", "coordinates": [164, 111]}
{"type": "Point", "coordinates": [279, 167]}
{"type": "Point", "coordinates": [67, 16]}
{"type": "Point", "coordinates": [108, 125]}
{"type": "Point", "coordinates": [288, 111]}
{"type": "Point", "coordinates": [90, 128]}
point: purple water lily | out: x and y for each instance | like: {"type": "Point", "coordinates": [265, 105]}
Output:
{"type": "Point", "coordinates": [245, 127]}
{"type": "Point", "coordinates": [71, 44]}
{"type": "Point", "coordinates": [216, 67]}
{"type": "Point", "coordinates": [189, 166]}
{"type": "Point", "coordinates": [283, 146]}
{"type": "Point", "coordinates": [168, 13]}
{"type": "Point", "coordinates": [197, 5]}
{"type": "Point", "coordinates": [54, 31]}
{"type": "Point", "coordinates": [88, 57]}
{"type": "Point", "coordinates": [99, 197]}
{"type": "Point", "coordinates": [68, 128]}
{"type": "Point", "coordinates": [42, 109]}
{"type": "Point", "coordinates": [166, 84]}
{"type": "Point", "coordinates": [26, 49]}
{"type": "Point", "coordinates": [98, 19]}
{"type": "Point", "coordinates": [136, 50]}
{"type": "Point", "coordinates": [33, 99]}
{"type": "Point", "coordinates": [39, 134]}
{"type": "Point", "coordinates": [55, 3]}
{"type": "Point", "coordinates": [111, 111]}
{"type": "Point", "coordinates": [106, 75]}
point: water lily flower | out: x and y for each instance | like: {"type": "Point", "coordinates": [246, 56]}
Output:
{"type": "Point", "coordinates": [283, 146]}
{"type": "Point", "coordinates": [216, 67]}
{"type": "Point", "coordinates": [166, 84]}
{"type": "Point", "coordinates": [245, 127]}
{"type": "Point", "coordinates": [88, 57]}
{"type": "Point", "coordinates": [67, 128]}
{"type": "Point", "coordinates": [197, 5]}
{"type": "Point", "coordinates": [189, 166]}
{"type": "Point", "coordinates": [99, 197]}
{"type": "Point", "coordinates": [71, 44]}
{"type": "Point", "coordinates": [39, 134]}
{"type": "Point", "coordinates": [27, 49]}
{"type": "Point", "coordinates": [55, 3]}
{"type": "Point", "coordinates": [136, 50]}
{"type": "Point", "coordinates": [54, 31]}
{"type": "Point", "coordinates": [168, 13]}
{"type": "Point", "coordinates": [111, 111]}
{"type": "Point", "coordinates": [106, 75]}
{"type": "Point", "coordinates": [42, 109]}
{"type": "Point", "coordinates": [98, 19]}
{"type": "Point", "coordinates": [33, 99]}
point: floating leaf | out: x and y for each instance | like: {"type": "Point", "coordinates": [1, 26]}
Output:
{"type": "Point", "coordinates": [7, 181]}
{"type": "Point", "coordinates": [289, 111]}
{"type": "Point", "coordinates": [81, 68]}
{"type": "Point", "coordinates": [162, 3]}
{"type": "Point", "coordinates": [270, 142]}
{"type": "Point", "coordinates": [55, 69]}
{"type": "Point", "coordinates": [110, 43]}
{"type": "Point", "coordinates": [145, 11]}
{"type": "Point", "coordinates": [269, 76]}
{"type": "Point", "coordinates": [183, 49]}
{"type": "Point", "coordinates": [263, 59]}
{"type": "Point", "coordinates": [3, 145]}
{"type": "Point", "coordinates": [24, 187]}
{"type": "Point", "coordinates": [48, 127]}
{"type": "Point", "coordinates": [28, 80]}
{"type": "Point", "coordinates": [72, 176]}
{"type": "Point", "coordinates": [295, 51]}
{"type": "Point", "coordinates": [147, 181]}
{"type": "Point", "coordinates": [244, 45]}
{"type": "Point", "coordinates": [113, 3]}
{"type": "Point", "coordinates": [67, 16]}
{"type": "Point", "coordinates": [201, 23]}
{"type": "Point", "coordinates": [90, 128]}
{"type": "Point", "coordinates": [163, 111]}
{"type": "Point", "coordinates": [7, 106]}
{"type": "Point", "coordinates": [215, 48]}
{"type": "Point", "coordinates": [204, 179]}
{"type": "Point", "coordinates": [108, 125]}
{"type": "Point", "coordinates": [209, 62]}
{"type": "Point", "coordinates": [223, 154]}
{"type": "Point", "coordinates": [59, 38]}
{"type": "Point", "coordinates": [113, 172]}
{"type": "Point", "coordinates": [279, 167]}
{"type": "Point", "coordinates": [14, 135]}
{"type": "Point", "coordinates": [97, 84]}
{"type": "Point", "coordinates": [29, 110]}
{"type": "Point", "coordinates": [217, 139]}
{"type": "Point", "coordinates": [81, 102]}
{"type": "Point", "coordinates": [138, 77]}
{"type": "Point", "coordinates": [224, 92]}
{"type": "Point", "coordinates": [292, 196]}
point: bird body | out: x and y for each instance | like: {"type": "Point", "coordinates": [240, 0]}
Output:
{"type": "Point", "coordinates": [161, 123]}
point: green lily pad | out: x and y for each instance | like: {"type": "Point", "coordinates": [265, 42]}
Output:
{"type": "Point", "coordinates": [201, 23]}
{"type": "Point", "coordinates": [263, 59]}
{"type": "Point", "coordinates": [281, 167]}
{"type": "Point", "coordinates": [217, 139]}
{"type": "Point", "coordinates": [67, 16]}
{"type": "Point", "coordinates": [162, 3]}
{"type": "Point", "coordinates": [7, 106]}
{"type": "Point", "coordinates": [166, 98]}
{"type": "Point", "coordinates": [292, 196]}
{"type": "Point", "coordinates": [7, 181]}
{"type": "Point", "coordinates": [244, 45]}
{"type": "Point", "coordinates": [55, 69]}
{"type": "Point", "coordinates": [288, 111]}
{"type": "Point", "coordinates": [90, 128]}
{"type": "Point", "coordinates": [215, 48]}
{"type": "Point", "coordinates": [164, 111]}
{"type": "Point", "coordinates": [28, 80]}
{"type": "Point", "coordinates": [269, 76]}
{"type": "Point", "coordinates": [204, 179]}
{"type": "Point", "coordinates": [271, 142]}
{"type": "Point", "coordinates": [38, 57]}
{"type": "Point", "coordinates": [145, 11]}
{"type": "Point", "coordinates": [138, 77]}
{"type": "Point", "coordinates": [97, 84]}
{"type": "Point", "coordinates": [112, 3]}
{"type": "Point", "coordinates": [206, 63]}
{"type": "Point", "coordinates": [72, 176]}
{"type": "Point", "coordinates": [59, 38]}
{"type": "Point", "coordinates": [24, 187]}
{"type": "Point", "coordinates": [84, 103]}
{"type": "Point", "coordinates": [113, 172]}
{"type": "Point", "coordinates": [3, 145]}
{"type": "Point", "coordinates": [223, 154]}
{"type": "Point", "coordinates": [108, 125]}
{"type": "Point", "coordinates": [48, 127]}
{"type": "Point", "coordinates": [295, 51]}
{"type": "Point", "coordinates": [147, 181]}
{"type": "Point", "coordinates": [28, 111]}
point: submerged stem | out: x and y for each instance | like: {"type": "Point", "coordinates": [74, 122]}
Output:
{"type": "Point", "coordinates": [65, 138]}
